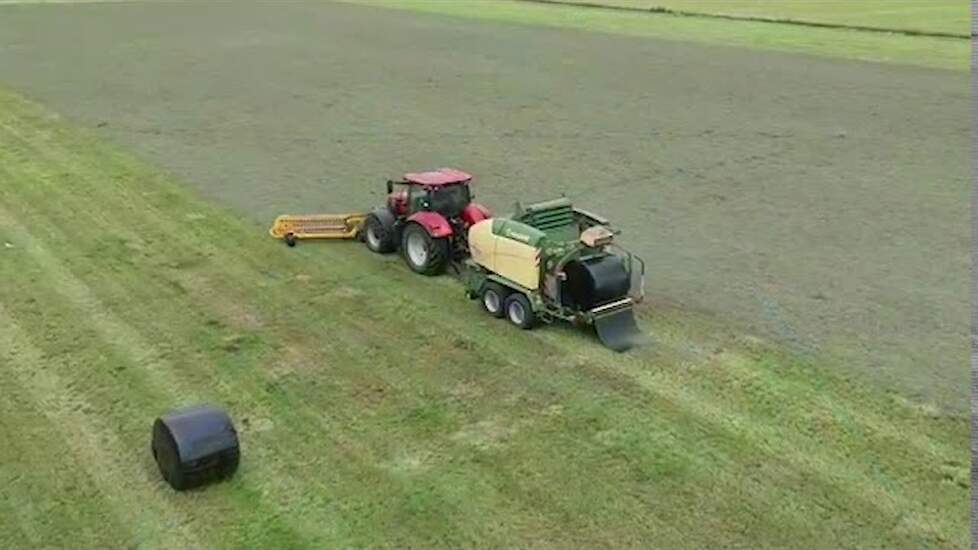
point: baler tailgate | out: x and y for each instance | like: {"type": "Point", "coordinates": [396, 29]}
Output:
{"type": "Point", "coordinates": [616, 327]}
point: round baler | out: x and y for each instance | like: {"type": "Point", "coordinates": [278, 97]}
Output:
{"type": "Point", "coordinates": [552, 264]}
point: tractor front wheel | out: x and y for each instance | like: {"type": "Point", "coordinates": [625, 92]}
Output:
{"type": "Point", "coordinates": [423, 253]}
{"type": "Point", "coordinates": [377, 237]}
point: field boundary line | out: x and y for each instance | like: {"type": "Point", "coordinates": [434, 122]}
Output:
{"type": "Point", "coordinates": [662, 10]}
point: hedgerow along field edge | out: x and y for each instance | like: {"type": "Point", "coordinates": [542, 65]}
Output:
{"type": "Point", "coordinates": [379, 407]}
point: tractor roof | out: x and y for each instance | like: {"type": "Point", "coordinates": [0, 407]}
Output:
{"type": "Point", "coordinates": [442, 176]}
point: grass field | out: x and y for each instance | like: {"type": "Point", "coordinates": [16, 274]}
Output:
{"type": "Point", "coordinates": [805, 219]}
{"type": "Point", "coordinates": [938, 52]}
{"type": "Point", "coordinates": [820, 202]}
{"type": "Point", "coordinates": [941, 16]}
{"type": "Point", "coordinates": [372, 415]}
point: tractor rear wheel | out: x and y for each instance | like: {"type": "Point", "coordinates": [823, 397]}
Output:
{"type": "Point", "coordinates": [377, 237]}
{"type": "Point", "coordinates": [493, 299]}
{"type": "Point", "coordinates": [519, 311]}
{"type": "Point", "coordinates": [423, 253]}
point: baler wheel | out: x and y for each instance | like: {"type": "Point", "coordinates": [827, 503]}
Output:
{"type": "Point", "coordinates": [519, 311]}
{"type": "Point", "coordinates": [494, 299]}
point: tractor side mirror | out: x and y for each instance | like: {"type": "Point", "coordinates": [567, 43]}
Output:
{"type": "Point", "coordinates": [390, 187]}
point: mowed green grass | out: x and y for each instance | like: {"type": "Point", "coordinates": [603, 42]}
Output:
{"type": "Point", "coordinates": [937, 52]}
{"type": "Point", "coordinates": [380, 408]}
{"type": "Point", "coordinates": [940, 16]}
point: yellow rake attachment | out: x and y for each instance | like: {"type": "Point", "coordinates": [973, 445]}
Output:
{"type": "Point", "coordinates": [291, 228]}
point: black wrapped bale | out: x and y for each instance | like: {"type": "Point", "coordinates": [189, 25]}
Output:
{"type": "Point", "coordinates": [195, 446]}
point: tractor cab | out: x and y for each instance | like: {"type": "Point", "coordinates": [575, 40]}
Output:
{"type": "Point", "coordinates": [427, 217]}
{"type": "Point", "coordinates": [445, 191]}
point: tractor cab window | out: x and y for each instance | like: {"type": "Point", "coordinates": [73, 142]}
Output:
{"type": "Point", "coordinates": [417, 197]}
{"type": "Point", "coordinates": [450, 200]}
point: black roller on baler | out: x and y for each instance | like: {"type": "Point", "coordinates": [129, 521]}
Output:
{"type": "Point", "coordinates": [195, 446]}
{"type": "Point", "coordinates": [595, 281]}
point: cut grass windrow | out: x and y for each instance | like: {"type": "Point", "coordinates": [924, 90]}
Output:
{"type": "Point", "coordinates": [377, 407]}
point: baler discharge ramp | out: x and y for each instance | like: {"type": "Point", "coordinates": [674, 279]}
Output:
{"type": "Point", "coordinates": [292, 228]}
{"type": "Point", "coordinates": [616, 327]}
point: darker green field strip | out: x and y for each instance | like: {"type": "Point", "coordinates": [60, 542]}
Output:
{"type": "Point", "coordinates": [378, 408]}
{"type": "Point", "coordinates": [653, 9]}
{"type": "Point", "coordinates": [843, 35]}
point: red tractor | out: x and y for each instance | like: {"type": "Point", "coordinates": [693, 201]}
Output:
{"type": "Point", "coordinates": [427, 216]}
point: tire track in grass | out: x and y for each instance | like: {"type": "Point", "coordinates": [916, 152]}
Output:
{"type": "Point", "coordinates": [402, 356]}
{"type": "Point", "coordinates": [154, 524]}
{"type": "Point", "coordinates": [80, 207]}
{"type": "Point", "coordinates": [279, 488]}
{"type": "Point", "coordinates": [853, 405]}
{"type": "Point", "coordinates": [277, 484]}
{"type": "Point", "coordinates": [293, 490]}
{"type": "Point", "coordinates": [850, 479]}
{"type": "Point", "coordinates": [39, 482]}
{"type": "Point", "coordinates": [82, 293]}
{"type": "Point", "coordinates": [89, 206]}
{"type": "Point", "coordinates": [502, 343]}
{"type": "Point", "coordinates": [127, 341]}
{"type": "Point", "coordinates": [789, 389]}
{"type": "Point", "coordinates": [504, 328]}
{"type": "Point", "coordinates": [874, 425]}
{"type": "Point", "coordinates": [115, 331]}
{"type": "Point", "coordinates": [254, 522]}
{"type": "Point", "coordinates": [305, 409]}
{"type": "Point", "coordinates": [20, 525]}
{"type": "Point", "coordinates": [543, 379]}
{"type": "Point", "coordinates": [700, 407]}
